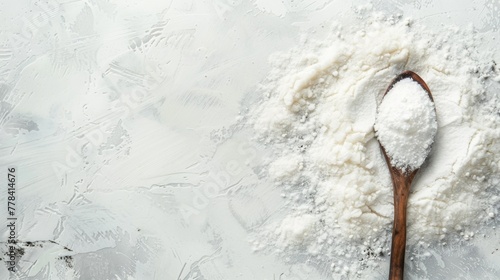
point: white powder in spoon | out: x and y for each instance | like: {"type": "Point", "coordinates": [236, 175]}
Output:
{"type": "Point", "coordinates": [318, 112]}
{"type": "Point", "coordinates": [406, 124]}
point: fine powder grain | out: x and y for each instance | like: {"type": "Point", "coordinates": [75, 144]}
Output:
{"type": "Point", "coordinates": [317, 115]}
{"type": "Point", "coordinates": [406, 124]}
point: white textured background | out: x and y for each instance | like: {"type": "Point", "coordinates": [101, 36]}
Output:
{"type": "Point", "coordinates": [119, 116]}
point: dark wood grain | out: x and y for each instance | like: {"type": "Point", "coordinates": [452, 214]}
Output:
{"type": "Point", "coordinates": [401, 189]}
{"type": "Point", "coordinates": [401, 182]}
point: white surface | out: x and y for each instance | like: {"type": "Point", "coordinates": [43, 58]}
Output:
{"type": "Point", "coordinates": [118, 114]}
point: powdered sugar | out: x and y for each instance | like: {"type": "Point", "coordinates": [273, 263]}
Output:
{"type": "Point", "coordinates": [318, 116]}
{"type": "Point", "coordinates": [406, 124]}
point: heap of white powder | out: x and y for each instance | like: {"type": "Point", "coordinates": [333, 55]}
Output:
{"type": "Point", "coordinates": [406, 124]}
{"type": "Point", "coordinates": [318, 113]}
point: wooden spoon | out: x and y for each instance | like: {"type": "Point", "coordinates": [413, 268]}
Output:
{"type": "Point", "coordinates": [401, 182]}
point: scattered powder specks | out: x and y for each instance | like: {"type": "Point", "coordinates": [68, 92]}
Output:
{"type": "Point", "coordinates": [286, 167]}
{"type": "Point", "coordinates": [318, 114]}
{"type": "Point", "coordinates": [295, 229]}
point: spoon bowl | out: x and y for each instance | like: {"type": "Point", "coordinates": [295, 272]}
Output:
{"type": "Point", "coordinates": [401, 181]}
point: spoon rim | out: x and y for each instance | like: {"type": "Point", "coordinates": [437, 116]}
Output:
{"type": "Point", "coordinates": [415, 77]}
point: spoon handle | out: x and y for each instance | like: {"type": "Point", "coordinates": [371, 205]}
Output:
{"type": "Point", "coordinates": [401, 186]}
